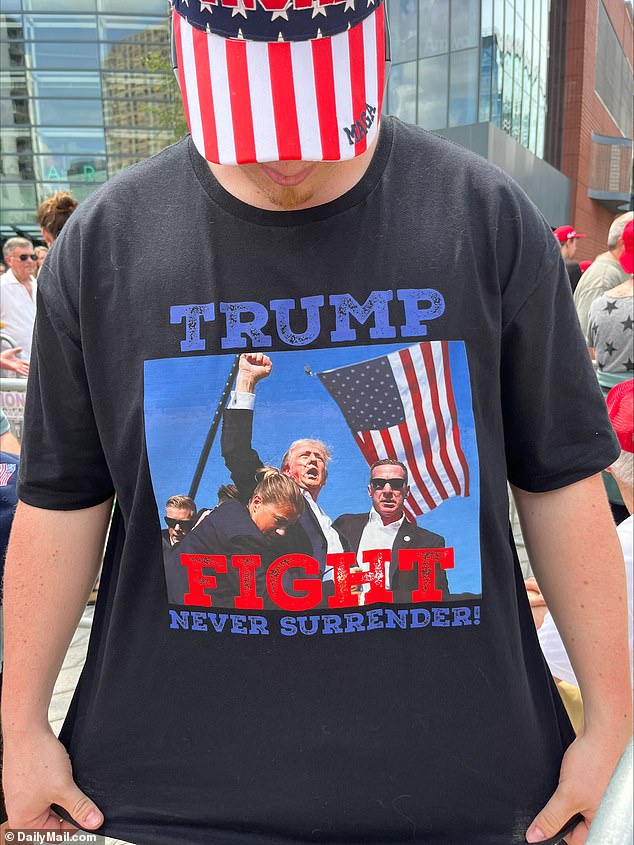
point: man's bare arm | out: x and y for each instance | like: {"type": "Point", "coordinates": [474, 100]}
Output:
{"type": "Point", "coordinates": [575, 554]}
{"type": "Point", "coordinates": [52, 563]}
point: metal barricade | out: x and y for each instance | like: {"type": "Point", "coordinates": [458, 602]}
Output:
{"type": "Point", "coordinates": [12, 401]}
{"type": "Point", "coordinates": [613, 823]}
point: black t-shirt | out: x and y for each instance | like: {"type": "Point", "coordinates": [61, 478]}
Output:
{"type": "Point", "coordinates": [425, 313]}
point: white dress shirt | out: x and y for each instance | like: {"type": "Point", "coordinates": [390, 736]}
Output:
{"type": "Point", "coordinates": [17, 311]}
{"type": "Point", "coordinates": [377, 535]}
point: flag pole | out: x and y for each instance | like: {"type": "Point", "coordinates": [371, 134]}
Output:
{"type": "Point", "coordinates": [213, 430]}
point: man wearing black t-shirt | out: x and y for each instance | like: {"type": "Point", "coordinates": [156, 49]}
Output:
{"type": "Point", "coordinates": [433, 723]}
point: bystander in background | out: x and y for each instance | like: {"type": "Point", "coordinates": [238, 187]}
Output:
{"type": "Point", "coordinates": [18, 294]}
{"type": "Point", "coordinates": [610, 340]}
{"type": "Point", "coordinates": [567, 237]}
{"type": "Point", "coordinates": [53, 212]}
{"type": "Point", "coordinates": [41, 252]}
{"type": "Point", "coordinates": [605, 272]}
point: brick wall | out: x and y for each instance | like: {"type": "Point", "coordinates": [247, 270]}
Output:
{"type": "Point", "coordinates": [584, 113]}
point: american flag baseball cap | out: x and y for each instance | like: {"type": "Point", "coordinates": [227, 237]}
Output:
{"type": "Point", "coordinates": [280, 80]}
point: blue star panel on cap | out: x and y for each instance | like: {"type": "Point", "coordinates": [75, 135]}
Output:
{"type": "Point", "coordinates": [266, 20]}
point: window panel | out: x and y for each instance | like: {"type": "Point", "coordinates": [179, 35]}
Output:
{"type": "Point", "coordinates": [403, 24]}
{"type": "Point", "coordinates": [14, 112]}
{"type": "Point", "coordinates": [79, 189]}
{"type": "Point", "coordinates": [139, 144]}
{"type": "Point", "coordinates": [133, 55]}
{"type": "Point", "coordinates": [463, 88]}
{"type": "Point", "coordinates": [59, 5]}
{"type": "Point", "coordinates": [140, 7]}
{"type": "Point", "coordinates": [486, 22]}
{"type": "Point", "coordinates": [402, 92]}
{"type": "Point", "coordinates": [53, 169]}
{"type": "Point", "coordinates": [13, 84]}
{"type": "Point", "coordinates": [57, 112]}
{"type": "Point", "coordinates": [496, 87]}
{"type": "Point", "coordinates": [507, 102]}
{"type": "Point", "coordinates": [133, 29]}
{"type": "Point", "coordinates": [66, 84]}
{"type": "Point", "coordinates": [486, 78]}
{"type": "Point", "coordinates": [517, 109]}
{"type": "Point", "coordinates": [498, 19]}
{"type": "Point", "coordinates": [15, 167]}
{"type": "Point", "coordinates": [10, 27]}
{"type": "Point", "coordinates": [433, 36]}
{"type": "Point", "coordinates": [525, 120]}
{"type": "Point", "coordinates": [140, 86]}
{"type": "Point", "coordinates": [51, 56]}
{"type": "Point", "coordinates": [464, 24]}
{"type": "Point", "coordinates": [17, 195]}
{"type": "Point", "coordinates": [60, 27]}
{"type": "Point", "coordinates": [432, 92]}
{"type": "Point", "coordinates": [83, 142]}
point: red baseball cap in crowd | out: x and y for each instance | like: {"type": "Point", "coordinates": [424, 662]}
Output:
{"type": "Point", "coordinates": [627, 259]}
{"type": "Point", "coordinates": [584, 265]}
{"type": "Point", "coordinates": [566, 233]}
{"type": "Point", "coordinates": [280, 80]}
{"type": "Point", "coordinates": [620, 402]}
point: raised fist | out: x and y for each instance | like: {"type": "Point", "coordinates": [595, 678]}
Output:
{"type": "Point", "coordinates": [254, 366]}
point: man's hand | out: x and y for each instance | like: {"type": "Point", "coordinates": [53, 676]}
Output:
{"type": "Point", "coordinates": [586, 770]}
{"type": "Point", "coordinates": [36, 774]}
{"type": "Point", "coordinates": [254, 366]}
{"type": "Point", "coordinates": [9, 361]}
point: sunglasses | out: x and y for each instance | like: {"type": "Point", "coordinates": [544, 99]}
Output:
{"type": "Point", "coordinates": [395, 483]}
{"type": "Point", "coordinates": [27, 257]}
{"type": "Point", "coordinates": [185, 524]}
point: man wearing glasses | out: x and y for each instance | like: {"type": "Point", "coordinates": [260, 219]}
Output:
{"type": "Point", "coordinates": [386, 527]}
{"type": "Point", "coordinates": [17, 293]}
{"type": "Point", "coordinates": [180, 515]}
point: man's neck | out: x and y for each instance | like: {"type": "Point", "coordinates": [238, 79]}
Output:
{"type": "Point", "coordinates": [330, 183]}
{"type": "Point", "coordinates": [27, 284]}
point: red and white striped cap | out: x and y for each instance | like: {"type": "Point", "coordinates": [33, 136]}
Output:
{"type": "Point", "coordinates": [280, 80]}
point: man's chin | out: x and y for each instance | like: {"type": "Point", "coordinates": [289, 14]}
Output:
{"type": "Point", "coordinates": [289, 198]}
{"type": "Point", "coordinates": [312, 485]}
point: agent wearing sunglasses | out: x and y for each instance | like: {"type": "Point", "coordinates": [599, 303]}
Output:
{"type": "Point", "coordinates": [386, 527]}
{"type": "Point", "coordinates": [18, 293]}
{"type": "Point", "coordinates": [180, 517]}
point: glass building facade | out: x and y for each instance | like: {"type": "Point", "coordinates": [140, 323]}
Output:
{"type": "Point", "coordinates": [79, 97]}
{"type": "Point", "coordinates": [80, 100]}
{"type": "Point", "coordinates": [461, 62]}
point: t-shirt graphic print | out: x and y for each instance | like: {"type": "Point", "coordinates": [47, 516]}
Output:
{"type": "Point", "coordinates": [410, 404]}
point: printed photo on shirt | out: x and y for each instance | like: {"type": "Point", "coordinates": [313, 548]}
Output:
{"type": "Point", "coordinates": [338, 478]}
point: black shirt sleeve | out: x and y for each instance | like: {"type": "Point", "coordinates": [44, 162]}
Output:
{"type": "Point", "coordinates": [556, 426]}
{"type": "Point", "coordinates": [62, 462]}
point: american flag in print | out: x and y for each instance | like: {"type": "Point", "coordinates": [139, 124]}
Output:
{"type": "Point", "coordinates": [304, 84]}
{"type": "Point", "coordinates": [402, 406]}
{"type": "Point", "coordinates": [6, 473]}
